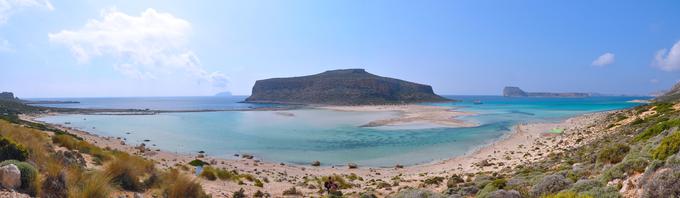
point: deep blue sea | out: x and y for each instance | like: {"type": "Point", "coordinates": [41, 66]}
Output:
{"type": "Point", "coordinates": [332, 137]}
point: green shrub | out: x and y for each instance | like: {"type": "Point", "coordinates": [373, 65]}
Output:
{"type": "Point", "coordinates": [566, 194]}
{"type": "Point", "coordinates": [656, 129]}
{"type": "Point", "coordinates": [662, 108]}
{"type": "Point", "coordinates": [669, 145]}
{"type": "Point", "coordinates": [453, 181]}
{"type": "Point", "coordinates": [258, 183]}
{"type": "Point", "coordinates": [433, 181]}
{"type": "Point", "coordinates": [628, 166]}
{"type": "Point", "coordinates": [11, 151]}
{"type": "Point", "coordinates": [197, 162]}
{"type": "Point", "coordinates": [29, 176]}
{"type": "Point", "coordinates": [486, 191]}
{"type": "Point", "coordinates": [613, 153]}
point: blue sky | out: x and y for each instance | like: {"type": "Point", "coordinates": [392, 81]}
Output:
{"type": "Point", "coordinates": [172, 48]}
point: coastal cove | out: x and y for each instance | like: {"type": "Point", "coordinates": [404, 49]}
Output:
{"type": "Point", "coordinates": [333, 137]}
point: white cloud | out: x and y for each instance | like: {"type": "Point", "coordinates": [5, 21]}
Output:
{"type": "Point", "coordinates": [668, 60]}
{"type": "Point", "coordinates": [9, 7]}
{"type": "Point", "coordinates": [146, 46]}
{"type": "Point", "coordinates": [5, 46]}
{"type": "Point", "coordinates": [604, 59]}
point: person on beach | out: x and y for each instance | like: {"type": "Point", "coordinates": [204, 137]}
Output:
{"type": "Point", "coordinates": [328, 184]}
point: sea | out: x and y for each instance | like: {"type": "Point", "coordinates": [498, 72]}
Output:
{"type": "Point", "coordinates": [304, 135]}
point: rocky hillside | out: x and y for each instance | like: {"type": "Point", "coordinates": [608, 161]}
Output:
{"type": "Point", "coordinates": [341, 87]}
{"type": "Point", "coordinates": [673, 94]}
{"type": "Point", "coordinates": [517, 92]}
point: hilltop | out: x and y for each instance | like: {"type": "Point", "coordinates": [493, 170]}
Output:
{"type": "Point", "coordinates": [673, 94]}
{"type": "Point", "coordinates": [341, 87]}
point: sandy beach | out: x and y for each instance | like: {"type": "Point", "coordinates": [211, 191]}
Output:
{"type": "Point", "coordinates": [411, 114]}
{"type": "Point", "coordinates": [526, 143]}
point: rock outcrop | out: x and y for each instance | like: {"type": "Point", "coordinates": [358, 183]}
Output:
{"type": "Point", "coordinates": [10, 176]}
{"type": "Point", "coordinates": [517, 92]}
{"type": "Point", "coordinates": [672, 95]}
{"type": "Point", "coordinates": [341, 87]}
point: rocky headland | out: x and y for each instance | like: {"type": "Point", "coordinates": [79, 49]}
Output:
{"type": "Point", "coordinates": [341, 87]}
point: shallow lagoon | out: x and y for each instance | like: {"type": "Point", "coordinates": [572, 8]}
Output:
{"type": "Point", "coordinates": [334, 137]}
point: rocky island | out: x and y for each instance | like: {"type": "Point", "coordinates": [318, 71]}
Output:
{"type": "Point", "coordinates": [341, 87]}
{"type": "Point", "coordinates": [517, 92]}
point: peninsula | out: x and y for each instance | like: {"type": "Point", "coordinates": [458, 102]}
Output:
{"type": "Point", "coordinates": [517, 92]}
{"type": "Point", "coordinates": [341, 87]}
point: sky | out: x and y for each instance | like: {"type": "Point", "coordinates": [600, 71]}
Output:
{"type": "Point", "coordinates": [52, 48]}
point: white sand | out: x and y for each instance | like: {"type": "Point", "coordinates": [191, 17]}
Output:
{"type": "Point", "coordinates": [411, 114]}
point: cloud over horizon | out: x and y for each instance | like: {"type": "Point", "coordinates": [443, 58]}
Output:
{"type": "Point", "coordinates": [10, 7]}
{"type": "Point", "coordinates": [604, 59]}
{"type": "Point", "coordinates": [147, 46]}
{"type": "Point", "coordinates": [668, 60]}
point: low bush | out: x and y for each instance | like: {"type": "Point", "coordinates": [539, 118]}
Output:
{"type": "Point", "coordinates": [567, 194]}
{"type": "Point", "coordinates": [127, 171]}
{"type": "Point", "coordinates": [9, 150]}
{"type": "Point", "coordinates": [454, 180]}
{"type": "Point", "coordinates": [662, 108]}
{"type": "Point", "coordinates": [292, 192]}
{"type": "Point", "coordinates": [54, 186]}
{"type": "Point", "coordinates": [550, 184]}
{"type": "Point", "coordinates": [416, 193]}
{"type": "Point", "coordinates": [433, 181]}
{"type": "Point", "coordinates": [73, 143]}
{"type": "Point", "coordinates": [176, 185]}
{"type": "Point", "coordinates": [662, 183]}
{"type": "Point", "coordinates": [30, 184]}
{"type": "Point", "coordinates": [613, 153]}
{"type": "Point", "coordinates": [86, 185]}
{"type": "Point", "coordinates": [239, 194]}
{"type": "Point", "coordinates": [627, 167]}
{"type": "Point", "coordinates": [669, 146]}
{"type": "Point", "coordinates": [656, 129]}
{"type": "Point", "coordinates": [198, 162]}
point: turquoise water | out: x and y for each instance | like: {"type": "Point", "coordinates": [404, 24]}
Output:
{"type": "Point", "coordinates": [332, 137]}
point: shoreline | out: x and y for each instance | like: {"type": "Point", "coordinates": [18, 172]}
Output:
{"type": "Point", "coordinates": [493, 156]}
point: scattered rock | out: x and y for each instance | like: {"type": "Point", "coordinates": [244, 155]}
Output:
{"type": "Point", "coordinates": [352, 165]}
{"type": "Point", "coordinates": [10, 176]}
{"type": "Point", "coordinates": [504, 194]}
{"type": "Point", "coordinates": [316, 163]}
{"type": "Point", "coordinates": [398, 166]}
{"type": "Point", "coordinates": [247, 156]}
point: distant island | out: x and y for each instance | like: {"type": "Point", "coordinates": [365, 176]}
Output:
{"type": "Point", "coordinates": [517, 92]}
{"type": "Point", "coordinates": [341, 87]}
{"type": "Point", "coordinates": [223, 94]}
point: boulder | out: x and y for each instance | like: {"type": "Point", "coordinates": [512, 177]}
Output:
{"type": "Point", "coordinates": [10, 176]}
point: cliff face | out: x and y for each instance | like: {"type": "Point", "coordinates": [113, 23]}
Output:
{"type": "Point", "coordinates": [517, 92]}
{"type": "Point", "coordinates": [672, 95]}
{"type": "Point", "coordinates": [341, 87]}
